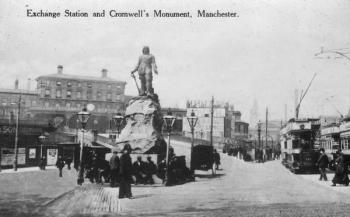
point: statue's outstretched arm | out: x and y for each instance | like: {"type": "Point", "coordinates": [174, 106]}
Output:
{"type": "Point", "coordinates": [154, 65]}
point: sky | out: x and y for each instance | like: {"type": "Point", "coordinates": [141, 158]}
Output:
{"type": "Point", "coordinates": [264, 54]}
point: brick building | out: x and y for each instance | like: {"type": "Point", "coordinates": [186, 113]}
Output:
{"type": "Point", "coordinates": [59, 97]}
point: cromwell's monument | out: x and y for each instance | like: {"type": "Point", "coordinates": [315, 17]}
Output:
{"type": "Point", "coordinates": [143, 115]}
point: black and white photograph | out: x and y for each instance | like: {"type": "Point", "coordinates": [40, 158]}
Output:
{"type": "Point", "coordinates": [174, 108]}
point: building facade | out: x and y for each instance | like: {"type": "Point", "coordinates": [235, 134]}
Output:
{"type": "Point", "coordinates": [227, 123]}
{"type": "Point", "coordinates": [59, 97]}
{"type": "Point", "coordinates": [239, 128]}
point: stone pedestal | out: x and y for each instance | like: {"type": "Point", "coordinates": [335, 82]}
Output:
{"type": "Point", "coordinates": [143, 130]}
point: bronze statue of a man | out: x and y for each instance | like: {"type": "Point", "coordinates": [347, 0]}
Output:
{"type": "Point", "coordinates": [146, 65]}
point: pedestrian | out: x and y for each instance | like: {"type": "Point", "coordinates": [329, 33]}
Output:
{"type": "Point", "coordinates": [322, 164]}
{"type": "Point", "coordinates": [125, 173]}
{"type": "Point", "coordinates": [139, 168]}
{"type": "Point", "coordinates": [60, 165]}
{"type": "Point", "coordinates": [94, 174]}
{"type": "Point", "coordinates": [114, 168]}
{"type": "Point", "coordinates": [151, 169]}
{"type": "Point", "coordinates": [216, 159]}
{"type": "Point", "coordinates": [43, 163]}
{"type": "Point", "coordinates": [161, 169]}
{"type": "Point", "coordinates": [341, 171]}
{"type": "Point", "coordinates": [69, 162]}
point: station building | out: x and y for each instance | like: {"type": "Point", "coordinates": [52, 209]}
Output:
{"type": "Point", "coordinates": [51, 109]}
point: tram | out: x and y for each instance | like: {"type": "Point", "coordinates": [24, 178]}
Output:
{"type": "Point", "coordinates": [299, 150]}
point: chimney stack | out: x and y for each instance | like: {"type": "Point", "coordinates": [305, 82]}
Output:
{"type": "Point", "coordinates": [104, 73]}
{"type": "Point", "coordinates": [16, 84]}
{"type": "Point", "coordinates": [60, 69]}
{"type": "Point", "coordinates": [28, 84]}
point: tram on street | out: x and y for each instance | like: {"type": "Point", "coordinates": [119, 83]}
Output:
{"type": "Point", "coordinates": [299, 149]}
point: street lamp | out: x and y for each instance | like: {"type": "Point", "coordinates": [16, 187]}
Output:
{"type": "Point", "coordinates": [83, 117]}
{"type": "Point", "coordinates": [192, 121]}
{"type": "Point", "coordinates": [118, 121]}
{"type": "Point", "coordinates": [16, 136]}
{"type": "Point", "coordinates": [169, 121]}
{"type": "Point", "coordinates": [41, 139]}
{"type": "Point", "coordinates": [259, 137]}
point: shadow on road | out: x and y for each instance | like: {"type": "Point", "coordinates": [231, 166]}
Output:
{"type": "Point", "coordinates": [209, 176]}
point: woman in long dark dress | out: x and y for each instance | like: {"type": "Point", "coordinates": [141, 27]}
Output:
{"type": "Point", "coordinates": [341, 171]}
{"type": "Point", "coordinates": [125, 172]}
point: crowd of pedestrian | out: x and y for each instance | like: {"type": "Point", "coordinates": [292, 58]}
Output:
{"type": "Point", "coordinates": [121, 172]}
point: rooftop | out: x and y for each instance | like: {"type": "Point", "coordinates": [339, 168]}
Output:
{"type": "Point", "coordinates": [80, 77]}
{"type": "Point", "coordinates": [18, 91]}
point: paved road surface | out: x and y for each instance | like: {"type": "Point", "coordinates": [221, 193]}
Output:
{"type": "Point", "coordinates": [22, 192]}
{"type": "Point", "coordinates": [240, 189]}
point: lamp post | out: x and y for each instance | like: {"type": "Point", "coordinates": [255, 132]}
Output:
{"type": "Point", "coordinates": [16, 136]}
{"type": "Point", "coordinates": [118, 121]}
{"type": "Point", "coordinates": [259, 137]}
{"type": "Point", "coordinates": [83, 118]}
{"type": "Point", "coordinates": [192, 121]}
{"type": "Point", "coordinates": [76, 129]}
{"type": "Point", "coordinates": [41, 139]}
{"type": "Point", "coordinates": [169, 121]}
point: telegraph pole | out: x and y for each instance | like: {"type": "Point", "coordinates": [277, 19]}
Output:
{"type": "Point", "coordinates": [266, 123]}
{"type": "Point", "coordinates": [212, 121]}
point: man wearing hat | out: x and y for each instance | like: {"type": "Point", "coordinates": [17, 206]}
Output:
{"type": "Point", "coordinates": [114, 166]}
{"type": "Point", "coordinates": [151, 169]}
{"type": "Point", "coordinates": [125, 173]}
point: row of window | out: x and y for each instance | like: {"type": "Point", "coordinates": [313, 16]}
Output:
{"type": "Point", "coordinates": [330, 145]}
{"type": "Point", "coordinates": [79, 95]}
{"type": "Point", "coordinates": [14, 101]}
{"type": "Point", "coordinates": [240, 128]}
{"type": "Point", "coordinates": [69, 105]}
{"type": "Point", "coordinates": [44, 84]}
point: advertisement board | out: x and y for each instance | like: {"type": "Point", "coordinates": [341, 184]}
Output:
{"type": "Point", "coordinates": [8, 156]}
{"type": "Point", "coordinates": [51, 156]}
{"type": "Point", "coordinates": [32, 153]}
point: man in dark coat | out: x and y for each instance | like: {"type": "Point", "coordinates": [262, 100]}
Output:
{"type": "Point", "coordinates": [322, 164]}
{"type": "Point", "coordinates": [139, 168]}
{"type": "Point", "coordinates": [60, 165]}
{"type": "Point", "coordinates": [151, 169]}
{"type": "Point", "coordinates": [114, 168]}
{"type": "Point", "coordinates": [216, 160]}
{"type": "Point", "coordinates": [68, 162]}
{"type": "Point", "coordinates": [125, 173]}
{"type": "Point", "coordinates": [42, 163]}
{"type": "Point", "coordinates": [341, 171]}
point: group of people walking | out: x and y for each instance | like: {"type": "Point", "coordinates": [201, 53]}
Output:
{"type": "Point", "coordinates": [340, 168]}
